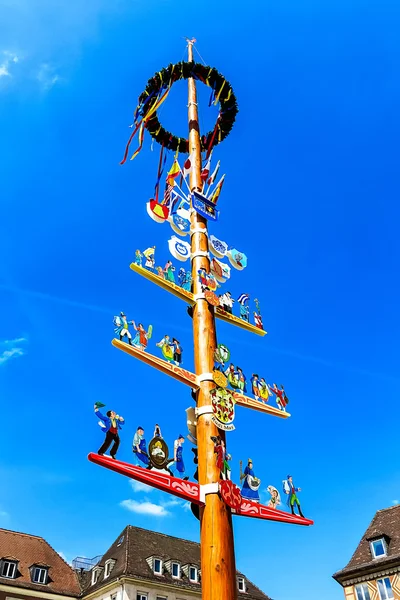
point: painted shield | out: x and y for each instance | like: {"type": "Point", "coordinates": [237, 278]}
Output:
{"type": "Point", "coordinates": [156, 211]}
{"type": "Point", "coordinates": [211, 298]}
{"type": "Point", "coordinates": [158, 453]}
{"type": "Point", "coordinates": [220, 379]}
{"type": "Point", "coordinates": [237, 259]}
{"type": "Point", "coordinates": [223, 404]}
{"type": "Point", "coordinates": [217, 247]}
{"type": "Point", "coordinates": [216, 270]}
{"type": "Point", "coordinates": [178, 248]}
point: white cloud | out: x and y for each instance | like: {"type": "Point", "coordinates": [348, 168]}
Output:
{"type": "Point", "coordinates": [8, 59]}
{"type": "Point", "coordinates": [47, 76]}
{"type": "Point", "coordinates": [13, 352]}
{"type": "Point", "coordinates": [63, 556]}
{"type": "Point", "coordinates": [145, 508]}
{"type": "Point", "coordinates": [137, 486]}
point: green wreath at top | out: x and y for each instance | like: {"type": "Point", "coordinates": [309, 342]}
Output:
{"type": "Point", "coordinates": [163, 80]}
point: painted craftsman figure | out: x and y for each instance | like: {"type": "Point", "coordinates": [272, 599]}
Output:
{"type": "Point", "coordinates": [222, 457]}
{"type": "Point", "coordinates": [150, 258]}
{"type": "Point", "coordinates": [167, 348]}
{"type": "Point", "coordinates": [275, 499]}
{"type": "Point", "coordinates": [138, 258]}
{"type": "Point", "coordinates": [177, 466]}
{"type": "Point", "coordinates": [281, 399]}
{"type": "Point", "coordinates": [110, 424]}
{"type": "Point", "coordinates": [290, 490]}
{"type": "Point", "coordinates": [251, 482]}
{"type": "Point", "coordinates": [142, 336]}
{"type": "Point", "coordinates": [139, 448]}
{"type": "Point", "coordinates": [122, 327]}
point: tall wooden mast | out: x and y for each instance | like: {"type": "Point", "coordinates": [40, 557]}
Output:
{"type": "Point", "coordinates": [218, 570]}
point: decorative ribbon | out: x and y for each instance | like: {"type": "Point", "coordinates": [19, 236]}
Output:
{"type": "Point", "coordinates": [161, 166]}
{"type": "Point", "coordinates": [210, 145]}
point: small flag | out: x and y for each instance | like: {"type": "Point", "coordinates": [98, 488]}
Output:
{"type": "Point", "coordinates": [99, 404]}
{"type": "Point", "coordinates": [243, 298]}
{"type": "Point", "coordinates": [173, 173]}
{"type": "Point", "coordinates": [187, 167]}
{"type": "Point", "coordinates": [214, 174]}
{"type": "Point", "coordinates": [215, 195]}
{"type": "Point", "coordinates": [206, 170]}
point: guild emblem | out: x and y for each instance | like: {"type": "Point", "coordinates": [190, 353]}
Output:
{"type": "Point", "coordinates": [180, 224]}
{"type": "Point", "coordinates": [237, 259]}
{"type": "Point", "coordinates": [211, 298]}
{"type": "Point", "coordinates": [222, 355]}
{"type": "Point", "coordinates": [158, 453]}
{"type": "Point", "coordinates": [220, 271]}
{"type": "Point", "coordinates": [220, 379]}
{"type": "Point", "coordinates": [156, 211]}
{"type": "Point", "coordinates": [204, 207]}
{"type": "Point", "coordinates": [178, 248]}
{"type": "Point", "coordinates": [218, 247]}
{"type": "Point", "coordinates": [223, 404]}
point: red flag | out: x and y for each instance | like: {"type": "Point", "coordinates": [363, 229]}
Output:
{"type": "Point", "coordinates": [206, 170]}
{"type": "Point", "coordinates": [214, 174]}
{"type": "Point", "coordinates": [187, 167]}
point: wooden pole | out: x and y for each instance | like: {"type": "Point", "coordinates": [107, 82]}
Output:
{"type": "Point", "coordinates": [218, 570]}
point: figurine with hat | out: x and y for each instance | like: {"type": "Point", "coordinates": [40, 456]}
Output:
{"type": "Point", "coordinates": [291, 491]}
{"type": "Point", "coordinates": [110, 424]}
{"type": "Point", "coordinates": [251, 483]}
{"type": "Point", "coordinates": [177, 466]}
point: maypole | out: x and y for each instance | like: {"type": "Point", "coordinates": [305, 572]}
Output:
{"type": "Point", "coordinates": [216, 531]}
{"type": "Point", "coordinates": [213, 496]}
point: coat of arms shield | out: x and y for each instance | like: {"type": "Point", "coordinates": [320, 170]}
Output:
{"type": "Point", "coordinates": [223, 404]}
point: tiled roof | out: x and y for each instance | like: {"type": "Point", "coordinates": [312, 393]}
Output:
{"type": "Point", "coordinates": [386, 523]}
{"type": "Point", "coordinates": [134, 545]}
{"type": "Point", "coordinates": [31, 550]}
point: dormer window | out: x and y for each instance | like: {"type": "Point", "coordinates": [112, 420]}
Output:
{"type": "Point", "coordinates": [8, 568]}
{"type": "Point", "coordinates": [157, 566]}
{"type": "Point", "coordinates": [95, 575]}
{"type": "Point", "coordinates": [241, 584]}
{"type": "Point", "coordinates": [108, 567]}
{"type": "Point", "coordinates": [39, 574]}
{"type": "Point", "coordinates": [193, 575]}
{"type": "Point", "coordinates": [378, 548]}
{"type": "Point", "coordinates": [176, 570]}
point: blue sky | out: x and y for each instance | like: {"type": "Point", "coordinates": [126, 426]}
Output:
{"type": "Point", "coordinates": [311, 196]}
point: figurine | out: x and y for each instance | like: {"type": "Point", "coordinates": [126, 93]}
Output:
{"type": "Point", "coordinates": [110, 424]}
{"type": "Point", "coordinates": [139, 448]}
{"type": "Point", "coordinates": [138, 258]}
{"type": "Point", "coordinates": [275, 500]}
{"type": "Point", "coordinates": [166, 348]}
{"type": "Point", "coordinates": [264, 390]}
{"type": "Point", "coordinates": [258, 320]}
{"type": "Point", "coordinates": [236, 378]}
{"type": "Point", "coordinates": [169, 272]}
{"type": "Point", "coordinates": [257, 303]}
{"type": "Point", "coordinates": [291, 490]}
{"type": "Point", "coordinates": [222, 457]}
{"type": "Point", "coordinates": [149, 256]}
{"type": "Point", "coordinates": [181, 276]}
{"type": "Point", "coordinates": [157, 431]}
{"type": "Point", "coordinates": [187, 283]}
{"type": "Point", "coordinates": [226, 302]}
{"type": "Point", "coordinates": [244, 309]}
{"type": "Point", "coordinates": [221, 356]}
{"type": "Point", "coordinates": [207, 280]}
{"type": "Point", "coordinates": [281, 399]}
{"type": "Point", "coordinates": [177, 349]}
{"type": "Point", "coordinates": [142, 336]}
{"type": "Point", "coordinates": [178, 466]}
{"type": "Point", "coordinates": [251, 482]}
{"type": "Point", "coordinates": [255, 386]}
{"type": "Point", "coordinates": [160, 272]}
{"type": "Point", "coordinates": [122, 327]}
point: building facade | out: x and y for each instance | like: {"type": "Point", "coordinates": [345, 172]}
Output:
{"type": "Point", "coordinates": [30, 569]}
{"type": "Point", "coordinates": [373, 572]}
{"type": "Point", "coordinates": [146, 565]}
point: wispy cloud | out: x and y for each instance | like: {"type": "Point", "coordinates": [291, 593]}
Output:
{"type": "Point", "coordinates": [47, 76]}
{"type": "Point", "coordinates": [13, 352]}
{"type": "Point", "coordinates": [8, 59]}
{"type": "Point", "coordinates": [63, 557]}
{"type": "Point", "coordinates": [137, 486]}
{"type": "Point", "coordinates": [145, 508]}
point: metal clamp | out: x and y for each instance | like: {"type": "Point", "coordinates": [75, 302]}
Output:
{"type": "Point", "coordinates": [205, 377]}
{"type": "Point", "coordinates": [199, 230]}
{"type": "Point", "coordinates": [204, 410]}
{"type": "Point", "coordinates": [199, 253]}
{"type": "Point", "coordinates": [208, 488]}
{"type": "Point", "coordinates": [199, 297]}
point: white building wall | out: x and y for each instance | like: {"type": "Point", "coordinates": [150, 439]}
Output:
{"type": "Point", "coordinates": [153, 593]}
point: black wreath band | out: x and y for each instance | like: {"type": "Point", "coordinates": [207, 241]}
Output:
{"type": "Point", "coordinates": [222, 91]}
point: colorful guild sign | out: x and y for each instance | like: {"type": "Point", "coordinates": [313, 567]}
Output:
{"type": "Point", "coordinates": [158, 453]}
{"type": "Point", "coordinates": [156, 211]}
{"type": "Point", "coordinates": [220, 271]}
{"type": "Point", "coordinates": [223, 404]}
{"type": "Point", "coordinates": [179, 218]}
{"type": "Point", "coordinates": [178, 248]}
{"type": "Point", "coordinates": [204, 207]}
{"type": "Point", "coordinates": [237, 259]}
{"type": "Point", "coordinates": [217, 247]}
